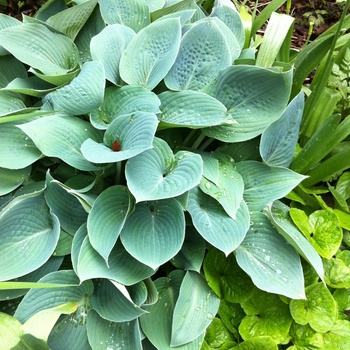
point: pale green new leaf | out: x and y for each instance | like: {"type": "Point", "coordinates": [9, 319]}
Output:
{"type": "Point", "coordinates": [192, 109]}
{"type": "Point", "coordinates": [151, 53]}
{"type": "Point", "coordinates": [64, 139]}
{"type": "Point", "coordinates": [213, 223]}
{"type": "Point", "coordinates": [107, 218]}
{"type": "Point", "coordinates": [239, 88]}
{"type": "Point", "coordinates": [273, 265]}
{"type": "Point", "coordinates": [194, 309]}
{"type": "Point", "coordinates": [158, 174]}
{"type": "Point", "coordinates": [132, 13]}
{"type": "Point", "coordinates": [28, 235]}
{"type": "Point", "coordinates": [108, 46]}
{"type": "Point", "coordinates": [133, 132]}
{"type": "Point", "coordinates": [50, 53]}
{"type": "Point", "coordinates": [84, 93]}
{"type": "Point", "coordinates": [10, 333]}
{"type": "Point", "coordinates": [10, 179]}
{"type": "Point", "coordinates": [154, 232]}
{"type": "Point", "coordinates": [103, 333]}
{"type": "Point", "coordinates": [264, 184]}
{"type": "Point", "coordinates": [203, 52]}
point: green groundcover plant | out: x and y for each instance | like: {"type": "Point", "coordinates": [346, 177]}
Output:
{"type": "Point", "coordinates": [145, 150]}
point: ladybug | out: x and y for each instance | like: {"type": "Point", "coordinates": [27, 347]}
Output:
{"type": "Point", "coordinates": [116, 147]}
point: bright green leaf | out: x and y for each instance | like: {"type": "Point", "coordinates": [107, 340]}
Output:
{"type": "Point", "coordinates": [337, 270]}
{"type": "Point", "coordinates": [217, 334]}
{"type": "Point", "coordinates": [261, 343]}
{"type": "Point", "coordinates": [338, 337]}
{"type": "Point", "coordinates": [9, 333]}
{"type": "Point", "coordinates": [304, 337]}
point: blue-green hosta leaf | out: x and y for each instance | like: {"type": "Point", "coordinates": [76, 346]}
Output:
{"type": "Point", "coordinates": [278, 213]}
{"type": "Point", "coordinates": [192, 109]}
{"type": "Point", "coordinates": [158, 174]}
{"type": "Point", "coordinates": [11, 68]}
{"type": "Point", "coordinates": [194, 310]}
{"type": "Point", "coordinates": [157, 324]}
{"type": "Point", "coordinates": [66, 207]}
{"type": "Point", "coordinates": [203, 52]}
{"type": "Point", "coordinates": [273, 265]}
{"type": "Point", "coordinates": [122, 267]}
{"type": "Point", "coordinates": [154, 232]}
{"type": "Point", "coordinates": [49, 9]}
{"type": "Point", "coordinates": [240, 88]}
{"type": "Point", "coordinates": [28, 235]}
{"type": "Point", "coordinates": [132, 13]}
{"type": "Point", "coordinates": [214, 225]}
{"type": "Point", "coordinates": [127, 136]}
{"type": "Point", "coordinates": [228, 190]}
{"type": "Point", "coordinates": [279, 139]}
{"type": "Point", "coordinates": [264, 184]}
{"type": "Point", "coordinates": [155, 4]}
{"type": "Point", "coordinates": [113, 302]}
{"type": "Point", "coordinates": [108, 46]}
{"type": "Point", "coordinates": [103, 334]}
{"type": "Point", "coordinates": [56, 80]}
{"type": "Point", "coordinates": [10, 179]}
{"type": "Point", "coordinates": [50, 53]}
{"type": "Point", "coordinates": [210, 167]}
{"type": "Point", "coordinates": [124, 100]}
{"type": "Point", "coordinates": [8, 21]}
{"type": "Point", "coordinates": [64, 139]}
{"type": "Point", "coordinates": [71, 20]}
{"type": "Point", "coordinates": [84, 94]}
{"type": "Point", "coordinates": [9, 103]}
{"type": "Point", "coordinates": [151, 53]}
{"type": "Point", "coordinates": [107, 218]}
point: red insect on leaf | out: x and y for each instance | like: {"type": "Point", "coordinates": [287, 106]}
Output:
{"type": "Point", "coordinates": [116, 147]}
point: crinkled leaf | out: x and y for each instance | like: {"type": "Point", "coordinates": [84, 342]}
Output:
{"type": "Point", "coordinates": [273, 265]}
{"type": "Point", "coordinates": [158, 174]}
{"type": "Point", "coordinates": [264, 184]}
{"type": "Point", "coordinates": [338, 337]}
{"type": "Point", "coordinates": [154, 232]}
{"type": "Point", "coordinates": [151, 53]}
{"type": "Point", "coordinates": [127, 136]}
{"type": "Point", "coordinates": [305, 337]}
{"type": "Point", "coordinates": [261, 343]}
{"type": "Point", "coordinates": [108, 46]}
{"type": "Point", "coordinates": [214, 225]}
{"type": "Point", "coordinates": [337, 270]}
{"type": "Point", "coordinates": [217, 335]}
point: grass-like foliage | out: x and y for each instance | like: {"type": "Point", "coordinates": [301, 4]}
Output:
{"type": "Point", "coordinates": [146, 147]}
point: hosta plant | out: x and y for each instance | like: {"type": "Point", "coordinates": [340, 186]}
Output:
{"type": "Point", "coordinates": [144, 150]}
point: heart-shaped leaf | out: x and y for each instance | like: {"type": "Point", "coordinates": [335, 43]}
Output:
{"type": "Point", "coordinates": [154, 232]}
{"type": "Point", "coordinates": [214, 225]}
{"type": "Point", "coordinates": [151, 53]}
{"type": "Point", "coordinates": [158, 174]}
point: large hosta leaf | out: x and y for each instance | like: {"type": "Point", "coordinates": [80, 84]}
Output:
{"type": "Point", "coordinates": [132, 13]}
{"type": "Point", "coordinates": [255, 97]}
{"type": "Point", "coordinates": [151, 53]}
{"type": "Point", "coordinates": [62, 137]}
{"type": "Point", "coordinates": [28, 235]}
{"type": "Point", "coordinates": [203, 52]}
{"type": "Point", "coordinates": [263, 184]}
{"type": "Point", "coordinates": [127, 136]}
{"type": "Point", "coordinates": [273, 265]}
{"type": "Point", "coordinates": [50, 53]}
{"type": "Point", "coordinates": [108, 46]}
{"type": "Point", "coordinates": [214, 225]}
{"type": "Point", "coordinates": [154, 232]}
{"type": "Point", "coordinates": [194, 310]}
{"type": "Point", "coordinates": [11, 179]}
{"type": "Point", "coordinates": [11, 69]}
{"type": "Point", "coordinates": [84, 94]}
{"type": "Point", "coordinates": [192, 109]}
{"type": "Point", "coordinates": [107, 218]}
{"type": "Point", "coordinates": [122, 267]}
{"type": "Point", "coordinates": [158, 174]}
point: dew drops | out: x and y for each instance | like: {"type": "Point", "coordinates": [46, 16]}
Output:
{"type": "Point", "coordinates": [267, 258]}
{"type": "Point", "coordinates": [210, 316]}
{"type": "Point", "coordinates": [207, 185]}
{"type": "Point", "coordinates": [278, 272]}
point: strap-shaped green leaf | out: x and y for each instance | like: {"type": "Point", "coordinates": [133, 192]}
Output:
{"type": "Point", "coordinates": [214, 225]}
{"type": "Point", "coordinates": [84, 94]}
{"type": "Point", "coordinates": [28, 234]}
{"type": "Point", "coordinates": [264, 184]}
{"type": "Point", "coordinates": [203, 52]}
{"type": "Point", "coordinates": [154, 232]}
{"type": "Point", "coordinates": [273, 265]}
{"type": "Point", "coordinates": [127, 136]}
{"type": "Point", "coordinates": [50, 53]}
{"type": "Point", "coordinates": [132, 13]}
{"type": "Point", "coordinates": [192, 109]}
{"type": "Point", "coordinates": [151, 53]}
{"type": "Point", "coordinates": [108, 46]}
{"type": "Point", "coordinates": [240, 88]}
{"type": "Point", "coordinates": [199, 303]}
{"type": "Point", "coordinates": [107, 218]}
{"type": "Point", "coordinates": [158, 174]}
